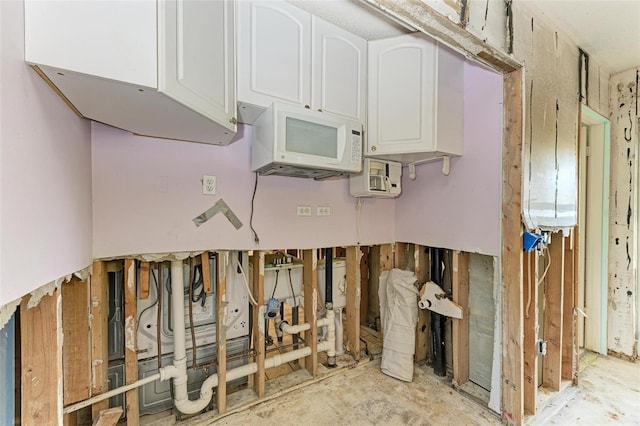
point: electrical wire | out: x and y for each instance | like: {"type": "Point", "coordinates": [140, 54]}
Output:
{"type": "Point", "coordinates": [293, 293]}
{"type": "Point", "coordinates": [256, 239]}
{"type": "Point", "coordinates": [275, 286]}
{"type": "Point", "coordinates": [526, 312]}
{"type": "Point", "coordinates": [246, 281]}
{"type": "Point", "coordinates": [150, 306]}
{"type": "Point", "coordinates": [191, 327]}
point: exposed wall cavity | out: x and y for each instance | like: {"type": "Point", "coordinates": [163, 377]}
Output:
{"type": "Point", "coordinates": [623, 218]}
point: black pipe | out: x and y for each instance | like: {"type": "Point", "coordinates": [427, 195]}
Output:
{"type": "Point", "coordinates": [294, 321]}
{"type": "Point", "coordinates": [328, 277]}
{"type": "Point", "coordinates": [437, 320]}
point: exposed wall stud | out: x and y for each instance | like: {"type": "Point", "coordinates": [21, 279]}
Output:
{"type": "Point", "coordinates": [352, 324]}
{"type": "Point", "coordinates": [99, 334]}
{"type": "Point", "coordinates": [553, 302]}
{"type": "Point", "coordinates": [311, 308]}
{"type": "Point", "coordinates": [460, 286]}
{"type": "Point", "coordinates": [130, 344]}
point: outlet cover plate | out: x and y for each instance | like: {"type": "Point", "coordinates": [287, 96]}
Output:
{"type": "Point", "coordinates": [209, 185]}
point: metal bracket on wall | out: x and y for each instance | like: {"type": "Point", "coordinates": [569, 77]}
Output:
{"type": "Point", "coordinates": [446, 163]}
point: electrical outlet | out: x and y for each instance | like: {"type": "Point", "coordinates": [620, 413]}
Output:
{"type": "Point", "coordinates": [209, 185]}
{"type": "Point", "coordinates": [323, 211]}
{"type": "Point", "coordinates": [304, 210]}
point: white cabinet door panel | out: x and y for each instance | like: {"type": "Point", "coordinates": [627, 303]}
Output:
{"type": "Point", "coordinates": [339, 71]}
{"type": "Point", "coordinates": [196, 56]}
{"type": "Point", "coordinates": [274, 58]}
{"type": "Point", "coordinates": [402, 95]}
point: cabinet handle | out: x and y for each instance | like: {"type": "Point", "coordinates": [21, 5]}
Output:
{"type": "Point", "coordinates": [319, 109]}
{"type": "Point", "coordinates": [233, 120]}
{"type": "Point", "coordinates": [373, 148]}
{"type": "Point", "coordinates": [307, 107]}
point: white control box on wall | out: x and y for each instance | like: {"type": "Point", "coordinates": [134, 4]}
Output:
{"type": "Point", "coordinates": [379, 178]}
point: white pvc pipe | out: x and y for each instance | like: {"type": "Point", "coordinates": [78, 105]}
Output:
{"type": "Point", "coordinates": [109, 394]}
{"type": "Point", "coordinates": [339, 333]}
{"type": "Point", "coordinates": [179, 373]}
{"type": "Point", "coordinates": [293, 329]}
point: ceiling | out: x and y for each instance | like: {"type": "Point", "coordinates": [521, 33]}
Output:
{"type": "Point", "coordinates": [608, 30]}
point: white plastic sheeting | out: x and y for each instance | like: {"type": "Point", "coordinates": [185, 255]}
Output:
{"type": "Point", "coordinates": [399, 316]}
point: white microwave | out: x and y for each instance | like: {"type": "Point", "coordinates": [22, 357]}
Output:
{"type": "Point", "coordinates": [293, 141]}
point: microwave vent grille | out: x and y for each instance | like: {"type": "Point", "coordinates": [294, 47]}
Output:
{"type": "Point", "coordinates": [297, 171]}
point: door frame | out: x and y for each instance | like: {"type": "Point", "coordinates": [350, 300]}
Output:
{"type": "Point", "coordinates": [590, 118]}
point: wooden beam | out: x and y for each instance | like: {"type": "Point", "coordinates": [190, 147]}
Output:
{"type": "Point", "coordinates": [258, 321]}
{"type": "Point", "coordinates": [352, 324]}
{"type": "Point", "coordinates": [221, 327]}
{"type": "Point", "coordinates": [530, 357]}
{"type": "Point", "coordinates": [402, 256]}
{"type": "Point", "coordinates": [144, 280]}
{"type": "Point", "coordinates": [553, 305]}
{"type": "Point", "coordinates": [206, 271]}
{"type": "Point", "coordinates": [570, 280]}
{"type": "Point", "coordinates": [130, 344]}
{"type": "Point", "coordinates": [76, 351]}
{"type": "Point", "coordinates": [423, 328]}
{"type": "Point", "coordinates": [99, 334]}
{"type": "Point", "coordinates": [310, 273]}
{"type": "Point", "coordinates": [460, 287]}
{"type": "Point", "coordinates": [41, 361]}
{"type": "Point", "coordinates": [108, 417]}
{"type": "Point", "coordinates": [386, 257]}
{"type": "Point", "coordinates": [364, 284]}
{"type": "Point", "coordinates": [576, 286]}
{"type": "Point", "coordinates": [511, 250]}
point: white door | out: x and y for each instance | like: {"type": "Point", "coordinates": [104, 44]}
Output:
{"type": "Point", "coordinates": [402, 95]}
{"type": "Point", "coordinates": [593, 223]}
{"type": "Point", "coordinates": [196, 50]}
{"type": "Point", "coordinates": [274, 53]}
{"type": "Point", "coordinates": [338, 71]}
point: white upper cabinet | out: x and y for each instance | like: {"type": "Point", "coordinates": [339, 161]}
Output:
{"type": "Point", "coordinates": [157, 68]}
{"type": "Point", "coordinates": [274, 59]}
{"type": "Point", "coordinates": [415, 103]}
{"type": "Point", "coordinates": [339, 71]}
{"type": "Point", "coordinates": [286, 54]}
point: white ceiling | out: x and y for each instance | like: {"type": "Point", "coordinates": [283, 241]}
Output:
{"type": "Point", "coordinates": [608, 30]}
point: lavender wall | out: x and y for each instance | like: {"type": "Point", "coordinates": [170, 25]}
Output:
{"type": "Point", "coordinates": [461, 211]}
{"type": "Point", "coordinates": [45, 175]}
{"type": "Point", "coordinates": [147, 191]}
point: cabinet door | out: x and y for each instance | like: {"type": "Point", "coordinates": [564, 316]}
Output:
{"type": "Point", "coordinates": [402, 95]}
{"type": "Point", "coordinates": [338, 71]}
{"type": "Point", "coordinates": [274, 55]}
{"type": "Point", "coordinates": [196, 53]}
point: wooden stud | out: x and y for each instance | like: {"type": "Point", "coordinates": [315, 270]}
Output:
{"type": "Point", "coordinates": [553, 305]}
{"type": "Point", "coordinates": [460, 287]}
{"type": "Point", "coordinates": [41, 361]}
{"type": "Point", "coordinates": [402, 256]}
{"type": "Point", "coordinates": [144, 280]}
{"type": "Point", "coordinates": [108, 417]}
{"type": "Point", "coordinates": [76, 351]}
{"type": "Point", "coordinates": [221, 327]}
{"type": "Point", "coordinates": [258, 322]}
{"type": "Point", "coordinates": [386, 257]}
{"type": "Point", "coordinates": [311, 308]}
{"type": "Point", "coordinates": [530, 383]}
{"type": "Point", "coordinates": [130, 345]}
{"type": "Point", "coordinates": [352, 324]}
{"type": "Point", "coordinates": [69, 419]}
{"type": "Point", "coordinates": [206, 271]}
{"type": "Point", "coordinates": [576, 286]}
{"type": "Point", "coordinates": [570, 281]}
{"type": "Point", "coordinates": [511, 250]}
{"type": "Point", "coordinates": [99, 334]}
{"type": "Point", "coordinates": [364, 284]}
{"type": "Point", "coordinates": [423, 328]}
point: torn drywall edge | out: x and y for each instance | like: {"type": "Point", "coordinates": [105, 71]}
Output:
{"type": "Point", "coordinates": [48, 289]}
{"type": "Point", "coordinates": [7, 310]}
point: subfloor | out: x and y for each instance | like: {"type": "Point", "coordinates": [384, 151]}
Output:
{"type": "Point", "coordinates": [608, 393]}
